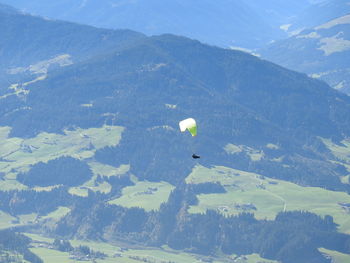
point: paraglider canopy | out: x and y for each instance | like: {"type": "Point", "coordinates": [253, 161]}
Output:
{"type": "Point", "coordinates": [190, 125]}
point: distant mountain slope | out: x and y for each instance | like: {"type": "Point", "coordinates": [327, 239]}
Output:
{"type": "Point", "coordinates": [323, 52]}
{"type": "Point", "coordinates": [249, 24]}
{"type": "Point", "coordinates": [224, 23]}
{"type": "Point", "coordinates": [7, 9]}
{"type": "Point", "coordinates": [278, 13]}
{"type": "Point", "coordinates": [30, 46]}
{"type": "Point", "coordinates": [319, 13]}
{"type": "Point", "coordinates": [27, 39]}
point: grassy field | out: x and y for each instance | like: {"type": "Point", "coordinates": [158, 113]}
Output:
{"type": "Point", "coordinates": [114, 253]}
{"type": "Point", "coordinates": [52, 256]}
{"type": "Point", "coordinates": [28, 218]}
{"type": "Point", "coordinates": [254, 258]}
{"type": "Point", "coordinates": [57, 214]}
{"type": "Point", "coordinates": [146, 195]}
{"type": "Point", "coordinates": [100, 169]}
{"type": "Point", "coordinates": [342, 153]}
{"type": "Point", "coordinates": [18, 155]}
{"type": "Point", "coordinates": [125, 254]}
{"type": "Point", "coordinates": [116, 256]}
{"type": "Point", "coordinates": [82, 190]}
{"type": "Point", "coordinates": [254, 155]}
{"type": "Point", "coordinates": [269, 196]}
{"type": "Point", "coordinates": [337, 257]}
{"type": "Point", "coordinates": [108, 170]}
{"type": "Point", "coordinates": [6, 220]}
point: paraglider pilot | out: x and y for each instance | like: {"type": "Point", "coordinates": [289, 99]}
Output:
{"type": "Point", "coordinates": [191, 126]}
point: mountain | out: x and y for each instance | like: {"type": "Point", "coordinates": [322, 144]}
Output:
{"type": "Point", "coordinates": [7, 9]}
{"type": "Point", "coordinates": [91, 149]}
{"type": "Point", "coordinates": [30, 47]}
{"type": "Point", "coordinates": [279, 13]}
{"type": "Point", "coordinates": [23, 35]}
{"type": "Point", "coordinates": [318, 13]}
{"type": "Point", "coordinates": [322, 52]}
{"type": "Point", "coordinates": [247, 24]}
{"type": "Point", "coordinates": [139, 81]}
{"type": "Point", "coordinates": [225, 23]}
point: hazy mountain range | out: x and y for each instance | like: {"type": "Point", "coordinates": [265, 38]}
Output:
{"type": "Point", "coordinates": [321, 51]}
{"type": "Point", "coordinates": [91, 149]}
{"type": "Point", "coordinates": [248, 24]}
{"type": "Point", "coordinates": [318, 13]}
{"type": "Point", "coordinates": [239, 24]}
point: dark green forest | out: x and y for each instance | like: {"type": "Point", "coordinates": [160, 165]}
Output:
{"type": "Point", "coordinates": [62, 171]}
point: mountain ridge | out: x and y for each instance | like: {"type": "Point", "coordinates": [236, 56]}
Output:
{"type": "Point", "coordinates": [190, 18]}
{"type": "Point", "coordinates": [321, 52]}
{"type": "Point", "coordinates": [20, 30]}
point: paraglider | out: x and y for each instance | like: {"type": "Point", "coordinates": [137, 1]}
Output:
{"type": "Point", "coordinates": [195, 156]}
{"type": "Point", "coordinates": [191, 126]}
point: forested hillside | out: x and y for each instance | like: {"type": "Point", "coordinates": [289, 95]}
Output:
{"type": "Point", "coordinates": [14, 248]}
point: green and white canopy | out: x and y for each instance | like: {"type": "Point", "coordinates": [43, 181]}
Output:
{"type": "Point", "coordinates": [190, 125]}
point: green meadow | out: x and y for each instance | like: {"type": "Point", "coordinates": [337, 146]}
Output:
{"type": "Point", "coordinates": [245, 192]}
{"type": "Point", "coordinates": [123, 253]}
{"type": "Point", "coordinates": [146, 195]}
{"type": "Point", "coordinates": [337, 257]}
{"type": "Point", "coordinates": [7, 221]}
{"type": "Point", "coordinates": [341, 151]}
{"type": "Point", "coordinates": [265, 197]}
{"type": "Point", "coordinates": [57, 214]}
{"type": "Point", "coordinates": [82, 190]}
{"type": "Point", "coordinates": [108, 170]}
{"type": "Point", "coordinates": [254, 155]}
{"type": "Point", "coordinates": [18, 155]}
{"type": "Point", "coordinates": [52, 256]}
{"type": "Point", "coordinates": [253, 258]}
{"type": "Point", "coordinates": [99, 169]}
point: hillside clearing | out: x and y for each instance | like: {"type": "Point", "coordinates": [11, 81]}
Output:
{"type": "Point", "coordinates": [18, 155]}
{"type": "Point", "coordinates": [265, 197]}
{"type": "Point", "coordinates": [337, 257]}
{"type": "Point", "coordinates": [122, 253]}
{"type": "Point", "coordinates": [146, 195]}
